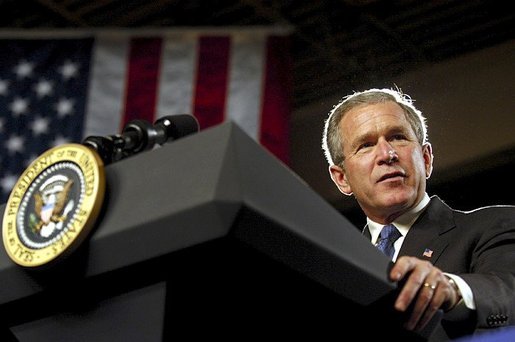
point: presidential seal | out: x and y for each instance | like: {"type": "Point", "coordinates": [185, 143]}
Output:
{"type": "Point", "coordinates": [54, 205]}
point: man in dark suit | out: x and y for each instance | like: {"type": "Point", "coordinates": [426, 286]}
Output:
{"type": "Point", "coordinates": [460, 262]}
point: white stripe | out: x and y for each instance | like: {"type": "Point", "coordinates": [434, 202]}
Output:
{"type": "Point", "coordinates": [246, 81]}
{"type": "Point", "coordinates": [106, 93]}
{"type": "Point", "coordinates": [176, 82]}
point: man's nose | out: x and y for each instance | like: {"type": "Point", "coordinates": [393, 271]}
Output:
{"type": "Point", "coordinates": [385, 151]}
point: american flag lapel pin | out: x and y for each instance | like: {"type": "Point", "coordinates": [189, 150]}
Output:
{"type": "Point", "coordinates": [428, 252]}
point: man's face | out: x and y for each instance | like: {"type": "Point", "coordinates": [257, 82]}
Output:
{"type": "Point", "coordinates": [383, 187]}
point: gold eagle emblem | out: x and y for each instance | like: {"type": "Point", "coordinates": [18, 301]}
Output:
{"type": "Point", "coordinates": [51, 206]}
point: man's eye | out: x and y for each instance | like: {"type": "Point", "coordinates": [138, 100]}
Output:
{"type": "Point", "coordinates": [365, 146]}
{"type": "Point", "coordinates": [399, 137]}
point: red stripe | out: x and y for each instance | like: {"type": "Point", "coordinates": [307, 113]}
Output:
{"type": "Point", "coordinates": [274, 134]}
{"type": "Point", "coordinates": [212, 79]}
{"type": "Point", "coordinates": [142, 79]}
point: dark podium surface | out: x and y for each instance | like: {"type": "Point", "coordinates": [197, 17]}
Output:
{"type": "Point", "coordinates": [209, 236]}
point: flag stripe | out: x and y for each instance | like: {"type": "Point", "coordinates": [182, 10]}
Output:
{"type": "Point", "coordinates": [140, 100]}
{"type": "Point", "coordinates": [177, 71]}
{"type": "Point", "coordinates": [246, 81]}
{"type": "Point", "coordinates": [107, 86]}
{"type": "Point", "coordinates": [211, 80]}
{"type": "Point", "coordinates": [238, 75]}
{"type": "Point", "coordinates": [274, 134]}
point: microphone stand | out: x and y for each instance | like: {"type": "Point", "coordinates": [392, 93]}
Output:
{"type": "Point", "coordinates": [140, 135]}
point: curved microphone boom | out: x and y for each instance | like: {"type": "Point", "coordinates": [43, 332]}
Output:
{"type": "Point", "coordinates": [140, 135]}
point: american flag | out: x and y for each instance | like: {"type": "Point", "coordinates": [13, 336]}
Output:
{"type": "Point", "coordinates": [60, 87]}
{"type": "Point", "coordinates": [428, 253]}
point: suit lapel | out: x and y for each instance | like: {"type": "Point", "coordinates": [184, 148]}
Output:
{"type": "Point", "coordinates": [366, 233]}
{"type": "Point", "coordinates": [426, 239]}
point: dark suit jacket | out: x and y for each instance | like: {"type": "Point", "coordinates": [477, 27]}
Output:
{"type": "Point", "coordinates": [479, 246]}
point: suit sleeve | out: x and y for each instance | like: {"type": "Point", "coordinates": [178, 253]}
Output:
{"type": "Point", "coordinates": [492, 267]}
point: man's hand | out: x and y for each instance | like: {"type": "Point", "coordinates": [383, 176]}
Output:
{"type": "Point", "coordinates": [426, 287]}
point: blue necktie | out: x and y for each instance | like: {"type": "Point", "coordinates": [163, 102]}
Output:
{"type": "Point", "coordinates": [389, 234]}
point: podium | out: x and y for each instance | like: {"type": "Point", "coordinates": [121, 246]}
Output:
{"type": "Point", "coordinates": [207, 237]}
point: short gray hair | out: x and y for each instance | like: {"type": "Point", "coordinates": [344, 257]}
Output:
{"type": "Point", "coordinates": [332, 142]}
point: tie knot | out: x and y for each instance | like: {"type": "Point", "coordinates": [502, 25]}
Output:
{"type": "Point", "coordinates": [389, 234]}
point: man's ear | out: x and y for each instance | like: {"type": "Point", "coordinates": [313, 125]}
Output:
{"type": "Point", "coordinates": [427, 152]}
{"type": "Point", "coordinates": [340, 179]}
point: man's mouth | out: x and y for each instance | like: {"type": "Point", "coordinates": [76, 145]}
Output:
{"type": "Point", "coordinates": [391, 175]}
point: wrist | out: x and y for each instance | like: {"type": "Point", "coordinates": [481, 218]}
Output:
{"type": "Point", "coordinates": [456, 294]}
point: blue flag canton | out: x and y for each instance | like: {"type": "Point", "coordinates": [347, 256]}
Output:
{"type": "Point", "coordinates": [43, 89]}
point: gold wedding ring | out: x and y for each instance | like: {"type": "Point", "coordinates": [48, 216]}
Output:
{"type": "Point", "coordinates": [430, 286]}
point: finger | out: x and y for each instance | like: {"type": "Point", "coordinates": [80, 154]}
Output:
{"type": "Point", "coordinates": [416, 278]}
{"type": "Point", "coordinates": [424, 297]}
{"type": "Point", "coordinates": [402, 266]}
{"type": "Point", "coordinates": [435, 303]}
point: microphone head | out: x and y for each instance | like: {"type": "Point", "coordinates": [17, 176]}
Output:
{"type": "Point", "coordinates": [177, 126]}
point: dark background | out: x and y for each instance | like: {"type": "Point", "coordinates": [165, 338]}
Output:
{"type": "Point", "coordinates": [337, 47]}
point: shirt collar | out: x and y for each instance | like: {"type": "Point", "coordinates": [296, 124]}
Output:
{"type": "Point", "coordinates": [403, 222]}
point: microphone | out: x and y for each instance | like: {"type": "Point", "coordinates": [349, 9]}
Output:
{"type": "Point", "coordinates": [140, 135]}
